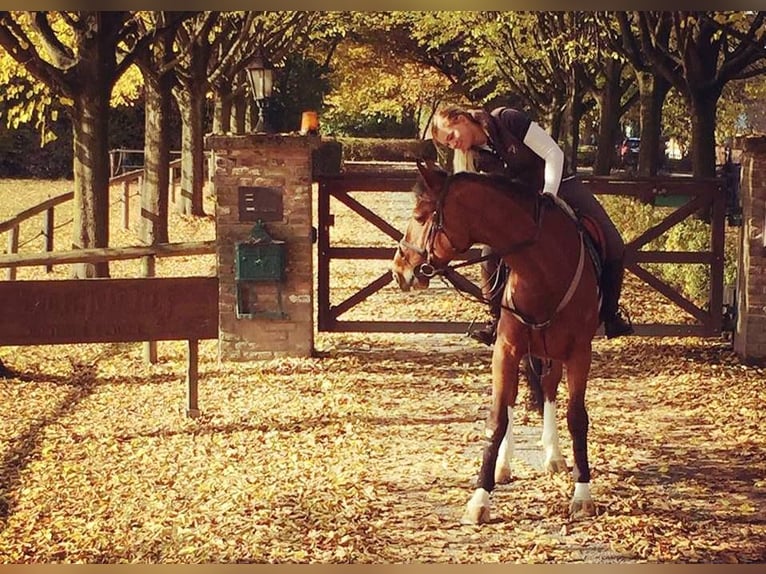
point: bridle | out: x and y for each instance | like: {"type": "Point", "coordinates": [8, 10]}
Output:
{"type": "Point", "coordinates": [429, 269]}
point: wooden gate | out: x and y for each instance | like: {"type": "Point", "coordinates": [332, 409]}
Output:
{"type": "Point", "coordinates": [689, 197]}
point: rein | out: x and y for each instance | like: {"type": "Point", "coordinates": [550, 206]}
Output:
{"type": "Point", "coordinates": [511, 306]}
{"type": "Point", "coordinates": [429, 270]}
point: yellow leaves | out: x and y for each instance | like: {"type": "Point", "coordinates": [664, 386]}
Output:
{"type": "Point", "coordinates": [369, 455]}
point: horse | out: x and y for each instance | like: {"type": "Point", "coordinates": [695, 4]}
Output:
{"type": "Point", "coordinates": [550, 306]}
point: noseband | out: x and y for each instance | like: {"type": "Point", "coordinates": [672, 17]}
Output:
{"type": "Point", "coordinates": [427, 269]}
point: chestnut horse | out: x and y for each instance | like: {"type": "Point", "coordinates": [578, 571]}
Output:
{"type": "Point", "coordinates": [550, 306]}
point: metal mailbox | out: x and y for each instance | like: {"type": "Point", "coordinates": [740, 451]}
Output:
{"type": "Point", "coordinates": [259, 259]}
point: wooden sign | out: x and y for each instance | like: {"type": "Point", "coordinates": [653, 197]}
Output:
{"type": "Point", "coordinates": [108, 310]}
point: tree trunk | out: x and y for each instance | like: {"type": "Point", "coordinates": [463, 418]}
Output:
{"type": "Point", "coordinates": [241, 104]}
{"type": "Point", "coordinates": [222, 110]}
{"type": "Point", "coordinates": [154, 195]}
{"type": "Point", "coordinates": [192, 104]}
{"type": "Point", "coordinates": [652, 92]}
{"type": "Point", "coordinates": [572, 124]}
{"type": "Point", "coordinates": [703, 107]}
{"type": "Point", "coordinates": [90, 127]}
{"type": "Point", "coordinates": [556, 119]}
{"type": "Point", "coordinates": [609, 115]}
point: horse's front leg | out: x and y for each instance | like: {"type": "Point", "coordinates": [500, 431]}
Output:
{"type": "Point", "coordinates": [496, 466]}
{"type": "Point", "coordinates": [577, 421]}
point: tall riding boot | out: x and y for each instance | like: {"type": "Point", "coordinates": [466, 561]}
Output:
{"type": "Point", "coordinates": [493, 277]}
{"type": "Point", "coordinates": [615, 324]}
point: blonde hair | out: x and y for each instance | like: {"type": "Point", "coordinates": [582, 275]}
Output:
{"type": "Point", "coordinates": [461, 160]}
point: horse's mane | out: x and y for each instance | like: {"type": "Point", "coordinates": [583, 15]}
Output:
{"type": "Point", "coordinates": [509, 185]}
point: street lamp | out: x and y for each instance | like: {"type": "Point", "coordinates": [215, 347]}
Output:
{"type": "Point", "coordinates": [261, 77]}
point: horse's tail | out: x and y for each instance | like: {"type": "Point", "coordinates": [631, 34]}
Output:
{"type": "Point", "coordinates": [533, 370]}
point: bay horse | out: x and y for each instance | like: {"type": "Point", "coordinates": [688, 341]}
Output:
{"type": "Point", "coordinates": [550, 306]}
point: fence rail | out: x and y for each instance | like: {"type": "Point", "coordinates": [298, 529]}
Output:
{"type": "Point", "coordinates": [101, 254]}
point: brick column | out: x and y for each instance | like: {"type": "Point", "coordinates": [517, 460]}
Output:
{"type": "Point", "coordinates": [750, 334]}
{"type": "Point", "coordinates": [274, 171]}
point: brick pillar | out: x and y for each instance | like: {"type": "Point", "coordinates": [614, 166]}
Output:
{"type": "Point", "coordinates": [274, 172]}
{"type": "Point", "coordinates": [750, 333]}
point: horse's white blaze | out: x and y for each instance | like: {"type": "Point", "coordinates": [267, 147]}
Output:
{"type": "Point", "coordinates": [506, 447]}
{"type": "Point", "coordinates": [408, 278]}
{"type": "Point", "coordinates": [550, 437]}
{"type": "Point", "coordinates": [581, 491]}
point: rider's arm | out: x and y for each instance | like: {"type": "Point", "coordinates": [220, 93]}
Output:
{"type": "Point", "coordinates": [546, 147]}
{"type": "Point", "coordinates": [536, 139]}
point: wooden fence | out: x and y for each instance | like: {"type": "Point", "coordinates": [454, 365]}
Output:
{"type": "Point", "coordinates": [130, 184]}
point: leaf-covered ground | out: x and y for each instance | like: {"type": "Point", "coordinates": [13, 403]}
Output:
{"type": "Point", "coordinates": [369, 451]}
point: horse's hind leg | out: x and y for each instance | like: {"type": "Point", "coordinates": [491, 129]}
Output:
{"type": "Point", "coordinates": [577, 420]}
{"type": "Point", "coordinates": [496, 459]}
{"type": "Point", "coordinates": [554, 461]}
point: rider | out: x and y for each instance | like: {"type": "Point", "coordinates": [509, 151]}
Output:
{"type": "Point", "coordinates": [508, 141]}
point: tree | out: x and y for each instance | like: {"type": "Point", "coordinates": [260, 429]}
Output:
{"type": "Point", "coordinates": [393, 68]}
{"type": "Point", "coordinates": [156, 64]}
{"type": "Point", "coordinates": [706, 51]}
{"type": "Point", "coordinates": [76, 55]}
{"type": "Point", "coordinates": [652, 87]}
{"type": "Point", "coordinates": [215, 48]}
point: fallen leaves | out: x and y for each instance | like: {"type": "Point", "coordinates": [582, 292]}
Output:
{"type": "Point", "coordinates": [369, 454]}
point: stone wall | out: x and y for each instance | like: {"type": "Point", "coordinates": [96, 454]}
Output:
{"type": "Point", "coordinates": [278, 164]}
{"type": "Point", "coordinates": [750, 333]}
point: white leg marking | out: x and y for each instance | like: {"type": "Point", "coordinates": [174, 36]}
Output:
{"type": "Point", "coordinates": [553, 457]}
{"type": "Point", "coordinates": [503, 462]}
{"type": "Point", "coordinates": [581, 491]}
{"type": "Point", "coordinates": [480, 498]}
{"type": "Point", "coordinates": [477, 509]}
{"type": "Point", "coordinates": [582, 504]}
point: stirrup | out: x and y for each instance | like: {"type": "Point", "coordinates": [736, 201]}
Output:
{"type": "Point", "coordinates": [487, 334]}
{"type": "Point", "coordinates": [617, 325]}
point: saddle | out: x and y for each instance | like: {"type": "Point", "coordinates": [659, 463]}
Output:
{"type": "Point", "coordinates": [592, 234]}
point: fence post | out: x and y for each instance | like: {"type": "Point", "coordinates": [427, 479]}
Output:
{"type": "Point", "coordinates": [13, 247]}
{"type": "Point", "coordinates": [48, 233]}
{"type": "Point", "coordinates": [192, 375]}
{"type": "Point", "coordinates": [125, 205]}
{"type": "Point", "coordinates": [172, 186]}
{"type": "Point", "coordinates": [148, 266]}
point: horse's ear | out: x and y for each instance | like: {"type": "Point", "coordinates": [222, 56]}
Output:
{"type": "Point", "coordinates": [429, 172]}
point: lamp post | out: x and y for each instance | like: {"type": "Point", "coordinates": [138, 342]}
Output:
{"type": "Point", "coordinates": [261, 77]}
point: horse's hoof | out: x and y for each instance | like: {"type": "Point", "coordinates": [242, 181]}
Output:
{"type": "Point", "coordinates": [477, 509]}
{"type": "Point", "coordinates": [555, 465]}
{"type": "Point", "coordinates": [475, 515]}
{"type": "Point", "coordinates": [503, 476]}
{"type": "Point", "coordinates": [582, 509]}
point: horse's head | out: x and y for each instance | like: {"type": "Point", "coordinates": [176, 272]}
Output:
{"type": "Point", "coordinates": [421, 252]}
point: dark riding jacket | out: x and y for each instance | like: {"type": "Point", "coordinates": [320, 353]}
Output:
{"type": "Point", "coordinates": [506, 153]}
